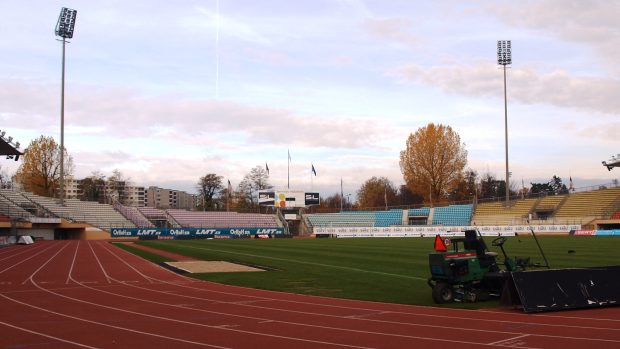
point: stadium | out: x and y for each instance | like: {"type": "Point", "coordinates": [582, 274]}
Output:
{"type": "Point", "coordinates": [537, 269]}
{"type": "Point", "coordinates": [91, 284]}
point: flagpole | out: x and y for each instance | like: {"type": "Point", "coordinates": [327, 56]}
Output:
{"type": "Point", "coordinates": [288, 170]}
{"type": "Point", "coordinates": [341, 194]}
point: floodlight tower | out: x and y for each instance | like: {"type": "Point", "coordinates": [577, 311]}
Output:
{"type": "Point", "coordinates": [64, 29]}
{"type": "Point", "coordinates": [504, 58]}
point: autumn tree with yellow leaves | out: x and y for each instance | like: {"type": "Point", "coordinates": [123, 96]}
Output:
{"type": "Point", "coordinates": [39, 171]}
{"type": "Point", "coordinates": [433, 161]}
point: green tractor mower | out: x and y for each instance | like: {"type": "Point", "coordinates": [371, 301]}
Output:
{"type": "Point", "coordinates": [469, 272]}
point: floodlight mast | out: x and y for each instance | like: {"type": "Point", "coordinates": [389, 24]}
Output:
{"type": "Point", "coordinates": [504, 58]}
{"type": "Point", "coordinates": [64, 29]}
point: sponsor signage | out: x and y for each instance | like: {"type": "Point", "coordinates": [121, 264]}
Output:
{"type": "Point", "coordinates": [195, 232]}
{"type": "Point", "coordinates": [425, 231]}
{"type": "Point", "coordinates": [614, 232]}
{"type": "Point", "coordinates": [287, 198]}
{"type": "Point", "coordinates": [266, 198]}
{"type": "Point", "coordinates": [312, 199]}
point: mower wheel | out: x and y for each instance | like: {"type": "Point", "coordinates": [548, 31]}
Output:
{"type": "Point", "coordinates": [443, 293]}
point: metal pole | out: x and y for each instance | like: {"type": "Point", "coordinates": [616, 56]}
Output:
{"type": "Point", "coordinates": [506, 137]}
{"type": "Point", "coordinates": [288, 174]}
{"type": "Point", "coordinates": [341, 195]}
{"type": "Point", "coordinates": [62, 127]}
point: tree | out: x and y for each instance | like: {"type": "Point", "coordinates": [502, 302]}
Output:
{"type": "Point", "coordinates": [334, 202]}
{"type": "Point", "coordinates": [376, 192]}
{"type": "Point", "coordinates": [247, 191]}
{"type": "Point", "coordinates": [491, 187]}
{"type": "Point", "coordinates": [465, 188]}
{"type": "Point", "coordinates": [557, 186]}
{"type": "Point", "coordinates": [554, 186]}
{"type": "Point", "coordinates": [39, 171]}
{"type": "Point", "coordinates": [432, 161]}
{"type": "Point", "coordinates": [406, 197]}
{"type": "Point", "coordinates": [116, 187]}
{"type": "Point", "coordinates": [5, 180]}
{"type": "Point", "coordinates": [93, 187]}
{"type": "Point", "coordinates": [208, 187]}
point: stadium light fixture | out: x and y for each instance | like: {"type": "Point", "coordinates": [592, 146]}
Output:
{"type": "Point", "coordinates": [504, 58]}
{"type": "Point", "coordinates": [64, 29]}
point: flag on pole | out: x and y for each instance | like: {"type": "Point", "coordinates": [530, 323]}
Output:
{"type": "Point", "coordinates": [313, 170]}
{"type": "Point", "coordinates": [229, 189]}
{"type": "Point", "coordinates": [570, 185]}
{"type": "Point", "coordinates": [267, 168]}
{"type": "Point", "coordinates": [385, 196]}
{"type": "Point", "coordinates": [289, 155]}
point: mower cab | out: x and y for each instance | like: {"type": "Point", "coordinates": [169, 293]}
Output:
{"type": "Point", "coordinates": [467, 272]}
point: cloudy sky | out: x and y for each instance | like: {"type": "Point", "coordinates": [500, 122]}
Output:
{"type": "Point", "coordinates": [167, 91]}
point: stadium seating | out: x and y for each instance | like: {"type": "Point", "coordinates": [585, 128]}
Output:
{"type": "Point", "coordinates": [357, 219]}
{"type": "Point", "coordinates": [12, 207]}
{"type": "Point", "coordinates": [134, 215]}
{"type": "Point", "coordinates": [549, 203]}
{"type": "Point", "coordinates": [99, 215]}
{"type": "Point", "coordinates": [453, 215]}
{"type": "Point", "coordinates": [600, 203]}
{"type": "Point", "coordinates": [498, 213]}
{"type": "Point", "coordinates": [216, 219]}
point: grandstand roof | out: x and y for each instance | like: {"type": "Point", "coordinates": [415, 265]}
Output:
{"type": "Point", "coordinates": [7, 148]}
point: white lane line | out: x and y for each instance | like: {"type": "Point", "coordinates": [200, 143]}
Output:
{"type": "Point", "coordinates": [44, 264]}
{"type": "Point", "coordinates": [31, 279]}
{"type": "Point", "coordinates": [382, 321]}
{"type": "Point", "coordinates": [293, 323]}
{"type": "Point", "coordinates": [72, 262]}
{"type": "Point", "coordinates": [111, 326]}
{"type": "Point", "coordinates": [469, 311]}
{"type": "Point", "coordinates": [312, 263]}
{"type": "Point", "coordinates": [107, 277]}
{"type": "Point", "coordinates": [47, 336]}
{"type": "Point", "coordinates": [202, 310]}
{"type": "Point", "coordinates": [24, 260]}
{"type": "Point", "coordinates": [502, 342]}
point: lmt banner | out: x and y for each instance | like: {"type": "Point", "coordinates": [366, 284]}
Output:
{"type": "Point", "coordinates": [195, 232]}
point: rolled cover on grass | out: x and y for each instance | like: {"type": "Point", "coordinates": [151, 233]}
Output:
{"type": "Point", "coordinates": [559, 289]}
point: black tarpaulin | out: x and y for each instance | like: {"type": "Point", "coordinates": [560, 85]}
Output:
{"type": "Point", "coordinates": [558, 289]}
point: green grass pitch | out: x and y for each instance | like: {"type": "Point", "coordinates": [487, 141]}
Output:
{"type": "Point", "coordinates": [378, 269]}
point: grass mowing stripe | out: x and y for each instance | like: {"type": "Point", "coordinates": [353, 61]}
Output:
{"type": "Point", "coordinates": [310, 263]}
{"type": "Point", "coordinates": [378, 269]}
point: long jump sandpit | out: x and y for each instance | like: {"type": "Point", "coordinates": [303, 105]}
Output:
{"type": "Point", "coordinates": [211, 267]}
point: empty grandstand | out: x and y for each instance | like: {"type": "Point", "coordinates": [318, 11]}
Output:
{"type": "Point", "coordinates": [452, 215]}
{"type": "Point", "coordinates": [134, 215]}
{"type": "Point", "coordinates": [498, 213]}
{"type": "Point", "coordinates": [357, 219]}
{"type": "Point", "coordinates": [590, 205]}
{"type": "Point", "coordinates": [217, 219]}
{"type": "Point", "coordinates": [587, 210]}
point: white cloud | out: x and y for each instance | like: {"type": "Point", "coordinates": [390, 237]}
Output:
{"type": "Point", "coordinates": [526, 85]}
{"type": "Point", "coordinates": [593, 23]}
{"type": "Point", "coordinates": [392, 29]}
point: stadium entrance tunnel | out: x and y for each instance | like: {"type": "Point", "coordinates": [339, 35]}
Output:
{"type": "Point", "coordinates": [560, 289]}
{"type": "Point", "coordinates": [69, 234]}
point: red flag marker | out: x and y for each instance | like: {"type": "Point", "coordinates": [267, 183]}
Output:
{"type": "Point", "coordinates": [440, 245]}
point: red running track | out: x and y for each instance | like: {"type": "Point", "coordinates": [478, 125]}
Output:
{"type": "Point", "coordinates": [91, 294]}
